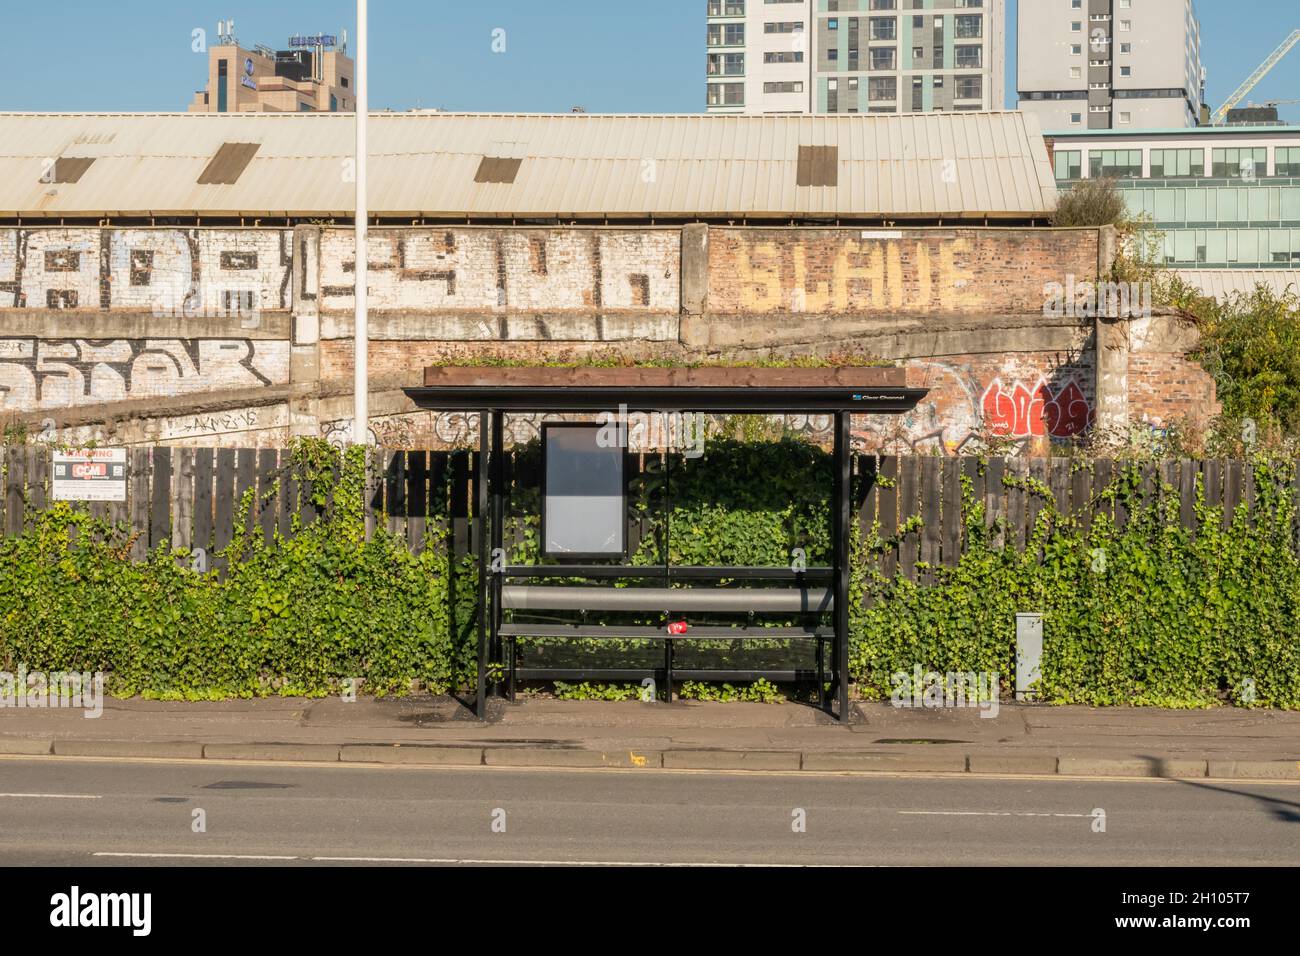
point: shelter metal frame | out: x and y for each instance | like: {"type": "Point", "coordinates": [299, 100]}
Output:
{"type": "Point", "coordinates": [497, 640]}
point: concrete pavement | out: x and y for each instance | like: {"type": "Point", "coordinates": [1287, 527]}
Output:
{"type": "Point", "coordinates": [1224, 743]}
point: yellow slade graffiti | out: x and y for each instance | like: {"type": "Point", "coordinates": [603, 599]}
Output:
{"type": "Point", "coordinates": [865, 275]}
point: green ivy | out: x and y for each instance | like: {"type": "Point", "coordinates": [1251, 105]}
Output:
{"type": "Point", "coordinates": [321, 612]}
{"type": "Point", "coordinates": [759, 692]}
{"type": "Point", "coordinates": [1150, 614]}
{"type": "Point", "coordinates": [586, 691]}
{"type": "Point", "coordinates": [1166, 616]}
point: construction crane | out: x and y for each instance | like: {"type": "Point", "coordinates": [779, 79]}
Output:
{"type": "Point", "coordinates": [1253, 80]}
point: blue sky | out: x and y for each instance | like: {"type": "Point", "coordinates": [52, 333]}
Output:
{"type": "Point", "coordinates": [606, 55]}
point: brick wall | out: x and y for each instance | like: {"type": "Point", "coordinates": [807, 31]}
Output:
{"type": "Point", "coordinates": [507, 270]}
{"type": "Point", "coordinates": [194, 321]}
{"type": "Point", "coordinates": [920, 271]}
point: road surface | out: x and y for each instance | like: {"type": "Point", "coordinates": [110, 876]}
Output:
{"type": "Point", "coordinates": [110, 812]}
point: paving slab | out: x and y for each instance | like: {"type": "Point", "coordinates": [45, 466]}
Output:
{"type": "Point", "coordinates": [731, 760]}
{"type": "Point", "coordinates": [1255, 769]}
{"type": "Point", "coordinates": [160, 749]}
{"type": "Point", "coordinates": [412, 754]}
{"type": "Point", "coordinates": [277, 751]}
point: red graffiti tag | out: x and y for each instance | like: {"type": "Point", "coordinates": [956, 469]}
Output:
{"type": "Point", "coordinates": [1024, 413]}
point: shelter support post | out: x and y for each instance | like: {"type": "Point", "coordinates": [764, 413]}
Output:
{"type": "Point", "coordinates": [843, 463]}
{"type": "Point", "coordinates": [497, 489]}
{"type": "Point", "coordinates": [484, 566]}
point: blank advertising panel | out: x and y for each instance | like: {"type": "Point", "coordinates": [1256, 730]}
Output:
{"type": "Point", "coordinates": [584, 512]}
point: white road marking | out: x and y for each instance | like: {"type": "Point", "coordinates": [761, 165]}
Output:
{"type": "Point", "coordinates": [986, 813]}
{"type": "Point", "coordinates": [53, 796]}
{"type": "Point", "coordinates": [196, 856]}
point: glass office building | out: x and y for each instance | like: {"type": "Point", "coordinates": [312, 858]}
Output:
{"type": "Point", "coordinates": [1225, 197]}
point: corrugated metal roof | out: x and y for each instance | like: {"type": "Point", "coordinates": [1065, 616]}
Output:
{"type": "Point", "coordinates": [1222, 284]}
{"type": "Point", "coordinates": [934, 165]}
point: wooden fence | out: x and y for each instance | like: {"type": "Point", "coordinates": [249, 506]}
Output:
{"type": "Point", "coordinates": [190, 497]}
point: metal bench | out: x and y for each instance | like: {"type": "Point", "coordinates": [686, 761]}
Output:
{"type": "Point", "coordinates": [674, 605]}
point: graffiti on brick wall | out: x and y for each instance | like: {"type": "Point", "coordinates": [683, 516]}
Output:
{"type": "Point", "coordinates": [969, 407]}
{"type": "Point", "coordinates": [882, 271]}
{"type": "Point", "coordinates": [173, 272]}
{"type": "Point", "coordinates": [854, 275]}
{"type": "Point", "coordinates": [56, 373]}
{"type": "Point", "coordinates": [1019, 411]}
{"type": "Point", "coordinates": [507, 270]}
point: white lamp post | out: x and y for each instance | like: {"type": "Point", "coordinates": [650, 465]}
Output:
{"type": "Point", "coordinates": [361, 385]}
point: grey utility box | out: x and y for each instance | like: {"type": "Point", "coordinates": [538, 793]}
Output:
{"type": "Point", "coordinates": [1029, 654]}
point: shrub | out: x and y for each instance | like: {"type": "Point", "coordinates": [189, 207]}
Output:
{"type": "Point", "coordinates": [1091, 202]}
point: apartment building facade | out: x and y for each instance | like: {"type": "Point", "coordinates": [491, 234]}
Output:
{"type": "Point", "coordinates": [311, 76]}
{"type": "Point", "coordinates": [758, 56]}
{"type": "Point", "coordinates": [855, 56]}
{"type": "Point", "coordinates": [1110, 64]}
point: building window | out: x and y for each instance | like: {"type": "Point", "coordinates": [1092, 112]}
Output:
{"type": "Point", "coordinates": [884, 28]}
{"type": "Point", "coordinates": [1171, 163]}
{"type": "Point", "coordinates": [1076, 49]}
{"type": "Point", "coordinates": [783, 56]}
{"type": "Point", "coordinates": [223, 81]}
{"type": "Point", "coordinates": [726, 94]}
{"type": "Point", "coordinates": [726, 64]}
{"type": "Point", "coordinates": [968, 57]}
{"type": "Point", "coordinates": [1126, 71]}
{"type": "Point", "coordinates": [1076, 72]}
{"type": "Point", "coordinates": [883, 58]}
{"type": "Point", "coordinates": [1126, 48]}
{"type": "Point", "coordinates": [1240, 163]}
{"type": "Point", "coordinates": [790, 26]}
{"type": "Point", "coordinates": [726, 34]}
{"type": "Point", "coordinates": [883, 5]}
{"type": "Point", "coordinates": [970, 87]}
{"type": "Point", "coordinates": [1286, 161]}
{"type": "Point", "coordinates": [726, 8]}
{"type": "Point", "coordinates": [1069, 164]}
{"type": "Point", "coordinates": [1115, 163]}
{"type": "Point", "coordinates": [1125, 118]}
{"type": "Point", "coordinates": [1076, 118]}
{"type": "Point", "coordinates": [970, 27]}
{"type": "Point", "coordinates": [833, 23]}
{"type": "Point", "coordinates": [784, 86]}
{"type": "Point", "coordinates": [882, 88]}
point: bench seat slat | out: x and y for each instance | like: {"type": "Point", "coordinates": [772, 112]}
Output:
{"type": "Point", "coordinates": [641, 631]}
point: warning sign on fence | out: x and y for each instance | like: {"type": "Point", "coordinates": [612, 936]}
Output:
{"type": "Point", "coordinates": [91, 474]}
